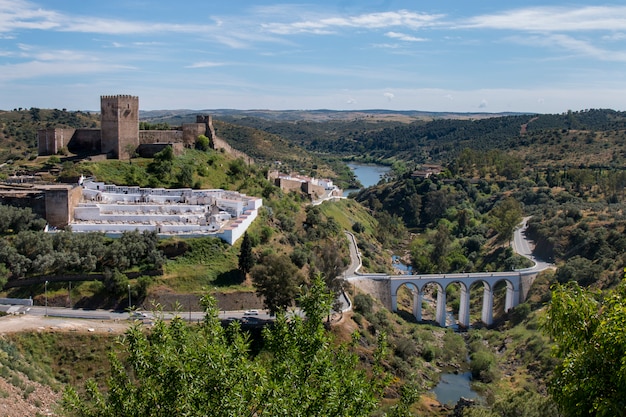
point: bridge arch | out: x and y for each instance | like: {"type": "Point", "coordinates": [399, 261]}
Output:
{"type": "Point", "coordinates": [443, 281]}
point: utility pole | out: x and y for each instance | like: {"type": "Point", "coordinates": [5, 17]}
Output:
{"type": "Point", "coordinates": [46, 291]}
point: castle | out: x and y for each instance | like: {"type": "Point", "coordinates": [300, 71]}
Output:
{"type": "Point", "coordinates": [107, 208]}
{"type": "Point", "coordinates": [119, 135]}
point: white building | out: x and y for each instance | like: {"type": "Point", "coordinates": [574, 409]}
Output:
{"type": "Point", "coordinates": [113, 209]}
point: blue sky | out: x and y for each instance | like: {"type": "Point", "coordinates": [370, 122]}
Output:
{"type": "Point", "coordinates": [461, 56]}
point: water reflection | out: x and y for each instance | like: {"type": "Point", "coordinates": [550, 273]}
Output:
{"type": "Point", "coordinates": [454, 386]}
{"type": "Point", "coordinates": [367, 174]}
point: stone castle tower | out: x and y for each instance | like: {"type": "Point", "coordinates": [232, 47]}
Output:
{"type": "Point", "coordinates": [119, 119]}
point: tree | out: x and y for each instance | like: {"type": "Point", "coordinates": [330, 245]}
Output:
{"type": "Point", "coordinates": [4, 275]}
{"type": "Point", "coordinates": [246, 258]}
{"type": "Point", "coordinates": [506, 215]}
{"type": "Point", "coordinates": [588, 331]}
{"type": "Point", "coordinates": [441, 246]}
{"type": "Point", "coordinates": [203, 143]}
{"type": "Point", "coordinates": [130, 150]}
{"type": "Point", "coordinates": [329, 262]}
{"type": "Point", "coordinates": [185, 176]}
{"type": "Point", "coordinates": [278, 281]}
{"type": "Point", "coordinates": [162, 164]}
{"type": "Point", "coordinates": [181, 370]}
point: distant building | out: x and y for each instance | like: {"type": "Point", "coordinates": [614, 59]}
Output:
{"type": "Point", "coordinates": [313, 187]}
{"type": "Point", "coordinates": [427, 170]}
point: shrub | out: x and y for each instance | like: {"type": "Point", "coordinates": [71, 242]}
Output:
{"type": "Point", "coordinates": [363, 304]}
{"type": "Point", "coordinates": [519, 313]}
{"type": "Point", "coordinates": [428, 353]}
{"type": "Point", "coordinates": [482, 366]}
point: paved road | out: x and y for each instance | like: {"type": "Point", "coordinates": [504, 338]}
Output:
{"type": "Point", "coordinates": [195, 316]}
{"type": "Point", "coordinates": [522, 246]}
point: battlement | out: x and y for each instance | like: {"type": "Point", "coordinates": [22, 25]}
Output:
{"type": "Point", "coordinates": [119, 96]}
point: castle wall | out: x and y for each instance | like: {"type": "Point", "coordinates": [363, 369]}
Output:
{"type": "Point", "coordinates": [55, 203]}
{"type": "Point", "coordinates": [148, 150]}
{"type": "Point", "coordinates": [85, 140]}
{"type": "Point", "coordinates": [60, 203]}
{"type": "Point", "coordinates": [289, 185]}
{"type": "Point", "coordinates": [51, 141]}
{"type": "Point", "coordinates": [191, 131]}
{"type": "Point", "coordinates": [160, 136]}
{"type": "Point", "coordinates": [312, 190]}
{"type": "Point", "coordinates": [25, 198]}
{"type": "Point", "coordinates": [119, 117]}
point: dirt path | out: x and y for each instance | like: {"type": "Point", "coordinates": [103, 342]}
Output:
{"type": "Point", "coordinates": [21, 323]}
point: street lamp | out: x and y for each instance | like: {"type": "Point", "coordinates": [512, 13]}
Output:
{"type": "Point", "coordinates": [129, 297]}
{"type": "Point", "coordinates": [46, 291]}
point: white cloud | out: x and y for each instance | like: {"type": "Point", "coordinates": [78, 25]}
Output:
{"type": "Point", "coordinates": [571, 44]}
{"type": "Point", "coordinates": [483, 104]}
{"type": "Point", "coordinates": [386, 45]}
{"type": "Point", "coordinates": [404, 37]}
{"type": "Point", "coordinates": [554, 19]}
{"type": "Point", "coordinates": [35, 69]}
{"type": "Point", "coordinates": [618, 36]}
{"type": "Point", "coordinates": [389, 96]}
{"type": "Point", "coordinates": [22, 15]}
{"type": "Point", "coordinates": [18, 14]}
{"type": "Point", "coordinates": [205, 64]}
{"type": "Point", "coordinates": [328, 25]}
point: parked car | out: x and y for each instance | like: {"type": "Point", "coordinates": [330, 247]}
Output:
{"type": "Point", "coordinates": [251, 313]}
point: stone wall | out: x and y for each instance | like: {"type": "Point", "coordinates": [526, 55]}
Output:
{"type": "Point", "coordinates": [25, 198]}
{"type": "Point", "coordinates": [52, 140]}
{"type": "Point", "coordinates": [160, 136]}
{"type": "Point", "coordinates": [55, 203]}
{"type": "Point", "coordinates": [148, 150]}
{"type": "Point", "coordinates": [289, 185]}
{"type": "Point", "coordinates": [60, 202]}
{"type": "Point", "coordinates": [191, 131]}
{"type": "Point", "coordinates": [85, 140]}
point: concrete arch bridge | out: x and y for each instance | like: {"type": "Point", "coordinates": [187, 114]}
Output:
{"type": "Point", "coordinates": [517, 285]}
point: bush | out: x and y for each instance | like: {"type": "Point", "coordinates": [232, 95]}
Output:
{"type": "Point", "coordinates": [363, 304]}
{"type": "Point", "coordinates": [482, 366]}
{"type": "Point", "coordinates": [202, 143]}
{"type": "Point", "coordinates": [519, 313]}
{"type": "Point", "coordinates": [428, 353]}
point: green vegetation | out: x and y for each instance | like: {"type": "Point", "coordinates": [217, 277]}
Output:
{"type": "Point", "coordinates": [18, 129]}
{"type": "Point", "coordinates": [588, 331]}
{"type": "Point", "coordinates": [177, 370]}
{"type": "Point", "coordinates": [565, 171]}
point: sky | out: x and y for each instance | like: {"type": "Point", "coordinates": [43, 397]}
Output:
{"type": "Point", "coordinates": [429, 55]}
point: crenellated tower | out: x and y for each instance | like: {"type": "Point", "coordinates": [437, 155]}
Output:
{"type": "Point", "coordinates": [119, 119]}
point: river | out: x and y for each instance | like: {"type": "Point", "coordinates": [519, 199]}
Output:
{"type": "Point", "coordinates": [454, 386]}
{"type": "Point", "coordinates": [367, 174]}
